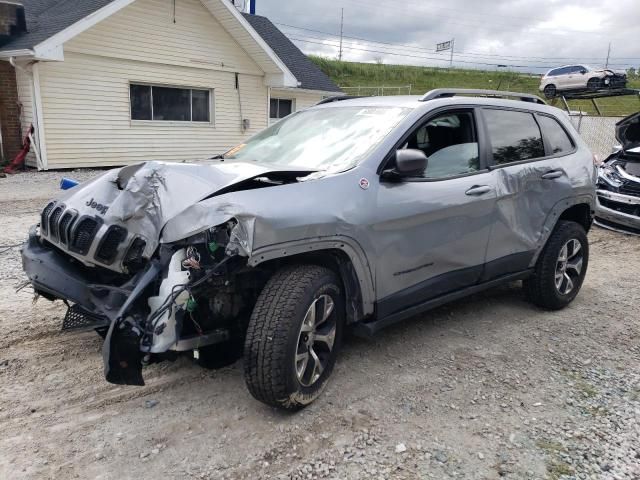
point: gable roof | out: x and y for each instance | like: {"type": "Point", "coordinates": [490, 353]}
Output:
{"type": "Point", "coordinates": [307, 73]}
{"type": "Point", "coordinates": [47, 18]}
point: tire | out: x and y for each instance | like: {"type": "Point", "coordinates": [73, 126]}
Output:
{"type": "Point", "coordinates": [542, 288]}
{"type": "Point", "coordinates": [550, 91]}
{"type": "Point", "coordinates": [276, 336]}
{"type": "Point", "coordinates": [594, 84]}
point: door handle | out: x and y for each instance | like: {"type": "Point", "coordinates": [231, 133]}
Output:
{"type": "Point", "coordinates": [478, 190]}
{"type": "Point", "coordinates": [553, 174]}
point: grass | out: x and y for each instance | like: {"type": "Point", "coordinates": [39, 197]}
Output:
{"type": "Point", "coordinates": [559, 469]}
{"type": "Point", "coordinates": [550, 446]}
{"type": "Point", "coordinates": [423, 79]}
{"type": "Point", "coordinates": [556, 467]}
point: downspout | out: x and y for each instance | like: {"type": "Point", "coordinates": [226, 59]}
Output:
{"type": "Point", "coordinates": [242, 122]}
{"type": "Point", "coordinates": [39, 149]}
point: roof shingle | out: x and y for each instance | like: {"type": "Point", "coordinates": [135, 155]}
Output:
{"type": "Point", "coordinates": [45, 18]}
{"type": "Point", "coordinates": [307, 73]}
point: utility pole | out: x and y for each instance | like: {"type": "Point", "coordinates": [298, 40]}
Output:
{"type": "Point", "coordinates": [341, 32]}
{"type": "Point", "coordinates": [608, 53]}
{"type": "Point", "coordinates": [453, 42]}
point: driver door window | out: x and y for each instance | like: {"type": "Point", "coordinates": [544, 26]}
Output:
{"type": "Point", "coordinates": [450, 143]}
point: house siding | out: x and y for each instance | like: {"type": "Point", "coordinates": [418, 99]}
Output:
{"type": "Point", "coordinates": [86, 97]}
{"type": "Point", "coordinates": [302, 100]}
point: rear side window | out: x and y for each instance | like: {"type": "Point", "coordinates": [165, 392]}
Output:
{"type": "Point", "coordinates": [555, 135]}
{"type": "Point", "coordinates": [515, 136]}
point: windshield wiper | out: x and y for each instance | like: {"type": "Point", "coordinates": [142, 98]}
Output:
{"type": "Point", "coordinates": [219, 156]}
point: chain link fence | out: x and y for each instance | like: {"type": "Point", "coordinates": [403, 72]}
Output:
{"type": "Point", "coordinates": [362, 91]}
{"type": "Point", "coordinates": [599, 133]}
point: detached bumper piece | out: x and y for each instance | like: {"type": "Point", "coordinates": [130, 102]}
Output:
{"type": "Point", "coordinates": [78, 319]}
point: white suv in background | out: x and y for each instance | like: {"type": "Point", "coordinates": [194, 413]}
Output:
{"type": "Point", "coordinates": [580, 77]}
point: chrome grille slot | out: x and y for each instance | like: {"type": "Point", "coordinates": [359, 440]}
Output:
{"type": "Point", "coordinates": [83, 234]}
{"type": "Point", "coordinates": [44, 219]}
{"type": "Point", "coordinates": [134, 260]}
{"type": "Point", "coordinates": [53, 222]}
{"type": "Point", "coordinates": [108, 248]}
{"type": "Point", "coordinates": [64, 227]}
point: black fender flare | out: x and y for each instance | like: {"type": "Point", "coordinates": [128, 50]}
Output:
{"type": "Point", "coordinates": [348, 245]}
{"type": "Point", "coordinates": [554, 216]}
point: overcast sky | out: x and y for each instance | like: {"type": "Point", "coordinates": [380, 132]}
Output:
{"type": "Point", "coordinates": [535, 34]}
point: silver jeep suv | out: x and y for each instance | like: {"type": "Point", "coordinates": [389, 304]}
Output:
{"type": "Point", "coordinates": [356, 213]}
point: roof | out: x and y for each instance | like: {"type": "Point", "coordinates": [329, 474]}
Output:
{"type": "Point", "coordinates": [307, 73]}
{"type": "Point", "coordinates": [45, 18]}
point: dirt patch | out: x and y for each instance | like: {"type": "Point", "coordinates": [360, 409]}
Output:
{"type": "Point", "coordinates": [489, 387]}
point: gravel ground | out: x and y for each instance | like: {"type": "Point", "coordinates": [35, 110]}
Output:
{"type": "Point", "coordinates": [486, 388]}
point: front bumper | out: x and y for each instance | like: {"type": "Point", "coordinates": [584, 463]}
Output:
{"type": "Point", "coordinates": [55, 276]}
{"type": "Point", "coordinates": [617, 211]}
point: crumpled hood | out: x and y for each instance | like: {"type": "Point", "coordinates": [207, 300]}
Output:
{"type": "Point", "coordinates": [628, 132]}
{"type": "Point", "coordinates": [143, 197]}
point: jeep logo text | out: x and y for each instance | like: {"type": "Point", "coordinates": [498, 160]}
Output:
{"type": "Point", "coordinates": [102, 209]}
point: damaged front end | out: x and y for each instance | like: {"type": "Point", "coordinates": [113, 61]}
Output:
{"type": "Point", "coordinates": [618, 189]}
{"type": "Point", "coordinates": [191, 294]}
{"type": "Point", "coordinates": [101, 250]}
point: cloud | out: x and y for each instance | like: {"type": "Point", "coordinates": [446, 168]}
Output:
{"type": "Point", "coordinates": [523, 34]}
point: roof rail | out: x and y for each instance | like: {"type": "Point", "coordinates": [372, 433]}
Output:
{"type": "Point", "coordinates": [452, 92]}
{"type": "Point", "coordinates": [336, 98]}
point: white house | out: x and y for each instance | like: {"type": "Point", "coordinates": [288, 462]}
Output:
{"type": "Point", "coordinates": [111, 82]}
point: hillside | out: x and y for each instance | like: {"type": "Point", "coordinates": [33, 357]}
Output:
{"type": "Point", "coordinates": [421, 79]}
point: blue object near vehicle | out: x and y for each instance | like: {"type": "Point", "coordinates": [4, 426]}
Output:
{"type": "Point", "coordinates": [67, 183]}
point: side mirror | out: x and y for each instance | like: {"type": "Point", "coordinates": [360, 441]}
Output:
{"type": "Point", "coordinates": [410, 162]}
{"type": "Point", "coordinates": [583, 71]}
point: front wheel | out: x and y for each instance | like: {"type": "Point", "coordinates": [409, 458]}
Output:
{"type": "Point", "coordinates": [293, 336]}
{"type": "Point", "coordinates": [561, 267]}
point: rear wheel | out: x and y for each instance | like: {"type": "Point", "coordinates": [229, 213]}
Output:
{"type": "Point", "coordinates": [293, 336]}
{"type": "Point", "coordinates": [550, 91]}
{"type": "Point", "coordinates": [594, 84]}
{"type": "Point", "coordinates": [561, 268]}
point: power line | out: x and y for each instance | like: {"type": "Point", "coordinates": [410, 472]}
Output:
{"type": "Point", "coordinates": [421, 56]}
{"type": "Point", "coordinates": [467, 53]}
{"type": "Point", "coordinates": [392, 50]}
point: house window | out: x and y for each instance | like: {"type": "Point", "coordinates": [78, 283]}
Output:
{"type": "Point", "coordinates": [151, 102]}
{"type": "Point", "coordinates": [280, 108]}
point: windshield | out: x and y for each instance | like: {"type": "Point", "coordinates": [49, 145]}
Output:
{"type": "Point", "coordinates": [330, 139]}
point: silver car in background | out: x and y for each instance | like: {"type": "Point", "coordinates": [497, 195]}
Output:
{"type": "Point", "coordinates": [581, 78]}
{"type": "Point", "coordinates": [355, 213]}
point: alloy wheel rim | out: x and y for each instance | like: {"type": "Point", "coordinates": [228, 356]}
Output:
{"type": "Point", "coordinates": [315, 340]}
{"type": "Point", "coordinates": [569, 266]}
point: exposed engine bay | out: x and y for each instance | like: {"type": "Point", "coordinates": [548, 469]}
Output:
{"type": "Point", "coordinates": [101, 250]}
{"type": "Point", "coordinates": [618, 188]}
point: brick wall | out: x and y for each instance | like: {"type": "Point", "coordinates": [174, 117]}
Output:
{"type": "Point", "coordinates": [9, 112]}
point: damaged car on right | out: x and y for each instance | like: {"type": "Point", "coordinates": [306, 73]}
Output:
{"type": "Point", "coordinates": [618, 192]}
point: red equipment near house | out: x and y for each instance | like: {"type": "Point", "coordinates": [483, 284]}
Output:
{"type": "Point", "coordinates": [18, 161]}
